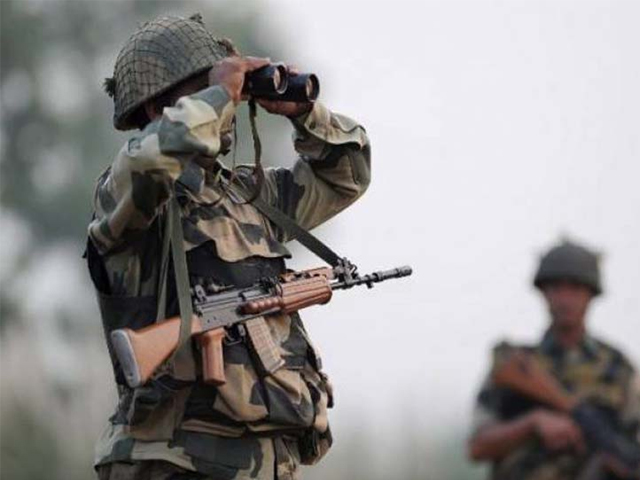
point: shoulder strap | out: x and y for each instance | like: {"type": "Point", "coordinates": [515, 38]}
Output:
{"type": "Point", "coordinates": [182, 276]}
{"type": "Point", "coordinates": [173, 237]}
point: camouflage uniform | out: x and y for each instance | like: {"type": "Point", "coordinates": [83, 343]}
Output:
{"type": "Point", "coordinates": [595, 371]}
{"type": "Point", "coordinates": [256, 424]}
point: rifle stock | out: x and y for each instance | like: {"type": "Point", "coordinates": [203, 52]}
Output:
{"type": "Point", "coordinates": [141, 352]}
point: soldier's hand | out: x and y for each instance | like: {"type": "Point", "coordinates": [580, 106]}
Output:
{"type": "Point", "coordinates": [558, 431]}
{"type": "Point", "coordinates": [288, 109]}
{"type": "Point", "coordinates": [230, 73]}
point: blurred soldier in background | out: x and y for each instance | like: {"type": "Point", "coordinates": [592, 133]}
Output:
{"type": "Point", "coordinates": [527, 441]}
{"type": "Point", "coordinates": [180, 86]}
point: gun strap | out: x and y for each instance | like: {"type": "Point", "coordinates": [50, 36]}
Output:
{"type": "Point", "coordinates": [291, 227]}
{"type": "Point", "coordinates": [182, 276]}
{"type": "Point", "coordinates": [181, 360]}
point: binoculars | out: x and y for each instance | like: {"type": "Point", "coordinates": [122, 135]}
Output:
{"type": "Point", "coordinates": [273, 82]}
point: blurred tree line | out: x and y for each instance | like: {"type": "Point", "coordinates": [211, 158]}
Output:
{"type": "Point", "coordinates": [56, 128]}
{"type": "Point", "coordinates": [55, 139]}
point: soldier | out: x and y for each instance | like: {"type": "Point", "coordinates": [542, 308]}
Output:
{"type": "Point", "coordinates": [180, 86]}
{"type": "Point", "coordinates": [525, 441]}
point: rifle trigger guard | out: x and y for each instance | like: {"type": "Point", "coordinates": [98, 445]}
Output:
{"type": "Point", "coordinates": [234, 335]}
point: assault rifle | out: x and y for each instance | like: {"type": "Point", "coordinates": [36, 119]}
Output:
{"type": "Point", "coordinates": [523, 374]}
{"type": "Point", "coordinates": [141, 352]}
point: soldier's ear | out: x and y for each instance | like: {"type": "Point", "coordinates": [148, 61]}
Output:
{"type": "Point", "coordinates": [151, 110]}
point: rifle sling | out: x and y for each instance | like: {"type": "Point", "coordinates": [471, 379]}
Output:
{"type": "Point", "coordinates": [182, 280]}
{"type": "Point", "coordinates": [173, 237]}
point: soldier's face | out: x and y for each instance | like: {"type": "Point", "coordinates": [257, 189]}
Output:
{"type": "Point", "coordinates": [568, 303]}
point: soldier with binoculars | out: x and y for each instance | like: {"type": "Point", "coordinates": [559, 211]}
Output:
{"type": "Point", "coordinates": [179, 86]}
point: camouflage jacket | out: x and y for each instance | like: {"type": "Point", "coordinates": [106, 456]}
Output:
{"type": "Point", "coordinates": [596, 372]}
{"type": "Point", "coordinates": [191, 425]}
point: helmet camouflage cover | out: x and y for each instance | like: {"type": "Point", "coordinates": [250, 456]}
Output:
{"type": "Point", "coordinates": [569, 261]}
{"type": "Point", "coordinates": [158, 56]}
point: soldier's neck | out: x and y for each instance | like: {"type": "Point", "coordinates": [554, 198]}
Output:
{"type": "Point", "coordinates": [569, 337]}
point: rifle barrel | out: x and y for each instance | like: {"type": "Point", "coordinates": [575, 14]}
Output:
{"type": "Point", "coordinates": [375, 277]}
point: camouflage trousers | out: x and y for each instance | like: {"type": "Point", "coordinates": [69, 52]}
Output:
{"type": "Point", "coordinates": [280, 462]}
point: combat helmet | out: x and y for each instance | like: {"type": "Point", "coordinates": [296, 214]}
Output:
{"type": "Point", "coordinates": [569, 261]}
{"type": "Point", "coordinates": [158, 56]}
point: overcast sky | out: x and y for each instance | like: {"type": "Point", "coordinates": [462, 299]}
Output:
{"type": "Point", "coordinates": [497, 128]}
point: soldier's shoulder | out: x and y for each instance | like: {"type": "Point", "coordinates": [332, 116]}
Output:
{"type": "Point", "coordinates": [615, 354]}
{"type": "Point", "coordinates": [504, 348]}
{"type": "Point", "coordinates": [504, 345]}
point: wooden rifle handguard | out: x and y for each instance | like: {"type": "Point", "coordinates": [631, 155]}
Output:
{"type": "Point", "coordinates": [293, 296]}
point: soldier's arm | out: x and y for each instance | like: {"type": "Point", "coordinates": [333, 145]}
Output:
{"type": "Point", "coordinates": [493, 437]}
{"type": "Point", "coordinates": [497, 439]}
{"type": "Point", "coordinates": [333, 170]}
{"type": "Point", "coordinates": [130, 194]}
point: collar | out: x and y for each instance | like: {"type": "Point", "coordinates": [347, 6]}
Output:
{"type": "Point", "coordinates": [550, 346]}
{"type": "Point", "coordinates": [195, 181]}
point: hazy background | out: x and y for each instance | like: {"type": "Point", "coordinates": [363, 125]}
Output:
{"type": "Point", "coordinates": [496, 128]}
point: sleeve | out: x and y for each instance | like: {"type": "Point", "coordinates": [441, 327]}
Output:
{"type": "Point", "coordinates": [496, 404]}
{"type": "Point", "coordinates": [333, 169]}
{"type": "Point", "coordinates": [131, 192]}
